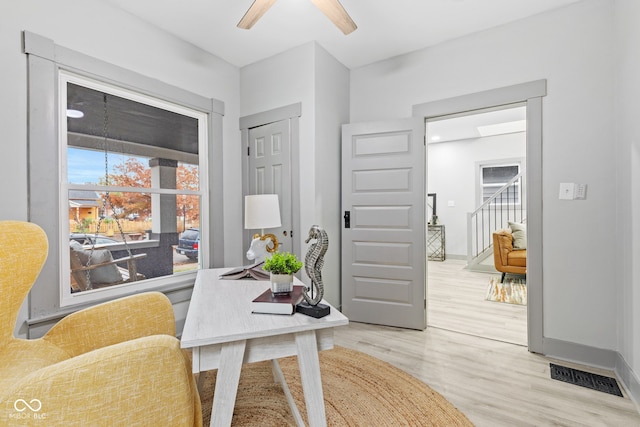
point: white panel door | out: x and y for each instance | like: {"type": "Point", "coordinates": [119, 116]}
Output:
{"type": "Point", "coordinates": [269, 154]}
{"type": "Point", "coordinates": [383, 234]}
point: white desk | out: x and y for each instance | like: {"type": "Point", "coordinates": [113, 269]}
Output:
{"type": "Point", "coordinates": [223, 334]}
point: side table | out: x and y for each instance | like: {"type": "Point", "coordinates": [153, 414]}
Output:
{"type": "Point", "coordinates": [435, 242]}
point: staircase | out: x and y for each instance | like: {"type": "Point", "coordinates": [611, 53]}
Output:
{"type": "Point", "coordinates": [507, 204]}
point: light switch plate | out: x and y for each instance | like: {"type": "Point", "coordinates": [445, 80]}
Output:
{"type": "Point", "coordinates": [581, 191]}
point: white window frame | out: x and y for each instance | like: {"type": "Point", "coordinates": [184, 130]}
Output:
{"type": "Point", "coordinates": [66, 297]}
{"type": "Point", "coordinates": [520, 163]}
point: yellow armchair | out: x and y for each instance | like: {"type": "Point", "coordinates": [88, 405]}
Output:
{"type": "Point", "coordinates": [115, 364]}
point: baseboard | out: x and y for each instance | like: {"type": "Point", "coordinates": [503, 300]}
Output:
{"type": "Point", "coordinates": [579, 353]}
{"type": "Point", "coordinates": [458, 257]}
{"type": "Point", "coordinates": [629, 379]}
{"type": "Point", "coordinates": [596, 357]}
{"type": "Point", "coordinates": [481, 268]}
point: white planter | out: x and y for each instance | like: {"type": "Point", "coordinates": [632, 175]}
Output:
{"type": "Point", "coordinates": [281, 283]}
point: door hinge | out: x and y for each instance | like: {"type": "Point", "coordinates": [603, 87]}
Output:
{"type": "Point", "coordinates": [425, 304]}
{"type": "Point", "coordinates": [248, 151]}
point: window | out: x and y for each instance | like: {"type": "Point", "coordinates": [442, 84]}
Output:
{"type": "Point", "coordinates": [494, 177]}
{"type": "Point", "coordinates": [131, 169]}
{"type": "Point", "coordinates": [64, 202]}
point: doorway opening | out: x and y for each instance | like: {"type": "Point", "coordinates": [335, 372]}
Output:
{"type": "Point", "coordinates": [476, 185]}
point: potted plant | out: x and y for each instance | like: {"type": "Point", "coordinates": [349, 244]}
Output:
{"type": "Point", "coordinates": [282, 266]}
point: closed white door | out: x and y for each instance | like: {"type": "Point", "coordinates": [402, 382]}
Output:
{"type": "Point", "coordinates": [269, 169]}
{"type": "Point", "coordinates": [383, 234]}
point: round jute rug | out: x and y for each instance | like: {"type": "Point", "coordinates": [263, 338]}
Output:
{"type": "Point", "coordinates": [359, 390]}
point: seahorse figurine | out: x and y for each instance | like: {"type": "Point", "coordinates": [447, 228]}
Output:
{"type": "Point", "coordinates": [313, 262]}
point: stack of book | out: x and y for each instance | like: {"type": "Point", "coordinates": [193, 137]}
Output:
{"type": "Point", "coordinates": [270, 303]}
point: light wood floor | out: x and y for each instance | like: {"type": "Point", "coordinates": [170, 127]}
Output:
{"type": "Point", "coordinates": [493, 381]}
{"type": "Point", "coordinates": [456, 302]}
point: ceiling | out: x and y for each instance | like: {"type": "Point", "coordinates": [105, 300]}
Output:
{"type": "Point", "coordinates": [478, 124]}
{"type": "Point", "coordinates": [386, 28]}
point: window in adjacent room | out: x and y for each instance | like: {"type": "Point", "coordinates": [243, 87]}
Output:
{"type": "Point", "coordinates": [493, 177]}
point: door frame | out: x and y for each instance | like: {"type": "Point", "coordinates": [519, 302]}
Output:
{"type": "Point", "coordinates": [531, 94]}
{"type": "Point", "coordinates": [292, 113]}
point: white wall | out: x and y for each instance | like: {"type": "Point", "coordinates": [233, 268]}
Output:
{"type": "Point", "coordinates": [628, 180]}
{"type": "Point", "coordinates": [452, 167]}
{"type": "Point", "coordinates": [572, 49]}
{"type": "Point", "coordinates": [308, 74]}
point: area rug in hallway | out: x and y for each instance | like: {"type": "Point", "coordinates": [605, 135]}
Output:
{"type": "Point", "coordinates": [359, 390]}
{"type": "Point", "coordinates": [512, 291]}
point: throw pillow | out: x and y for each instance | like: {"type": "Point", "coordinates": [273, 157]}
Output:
{"type": "Point", "coordinates": [106, 274]}
{"type": "Point", "coordinates": [519, 232]}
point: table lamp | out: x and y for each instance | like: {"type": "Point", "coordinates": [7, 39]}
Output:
{"type": "Point", "coordinates": [262, 211]}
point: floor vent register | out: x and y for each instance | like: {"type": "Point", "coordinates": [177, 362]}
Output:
{"type": "Point", "coordinates": [585, 379]}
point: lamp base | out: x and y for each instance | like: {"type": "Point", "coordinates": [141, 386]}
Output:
{"type": "Point", "coordinates": [316, 311]}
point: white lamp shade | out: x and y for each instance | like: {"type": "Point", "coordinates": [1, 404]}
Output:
{"type": "Point", "coordinates": [261, 211]}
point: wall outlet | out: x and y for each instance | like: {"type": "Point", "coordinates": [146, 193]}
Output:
{"type": "Point", "coordinates": [451, 203]}
{"type": "Point", "coordinates": [567, 191]}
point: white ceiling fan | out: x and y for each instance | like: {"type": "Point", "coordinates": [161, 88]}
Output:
{"type": "Point", "coordinates": [331, 8]}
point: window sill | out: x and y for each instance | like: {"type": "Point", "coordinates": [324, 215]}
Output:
{"type": "Point", "coordinates": [55, 317]}
{"type": "Point", "coordinates": [70, 303]}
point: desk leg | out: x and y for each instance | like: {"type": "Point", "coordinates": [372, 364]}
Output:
{"type": "Point", "coordinates": [280, 379]}
{"type": "Point", "coordinates": [310, 376]}
{"type": "Point", "coordinates": [224, 396]}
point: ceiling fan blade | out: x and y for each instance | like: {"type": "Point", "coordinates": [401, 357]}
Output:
{"type": "Point", "coordinates": [336, 13]}
{"type": "Point", "coordinates": [255, 12]}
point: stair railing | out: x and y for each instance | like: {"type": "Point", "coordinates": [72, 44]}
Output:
{"type": "Point", "coordinates": [507, 204]}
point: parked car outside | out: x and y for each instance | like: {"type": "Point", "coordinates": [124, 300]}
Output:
{"type": "Point", "coordinates": [91, 239]}
{"type": "Point", "coordinates": [188, 243]}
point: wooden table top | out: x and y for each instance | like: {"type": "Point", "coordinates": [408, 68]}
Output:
{"type": "Point", "coordinates": [220, 312]}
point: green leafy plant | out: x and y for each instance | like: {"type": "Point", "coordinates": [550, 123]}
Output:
{"type": "Point", "coordinates": [83, 226]}
{"type": "Point", "coordinates": [282, 263]}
